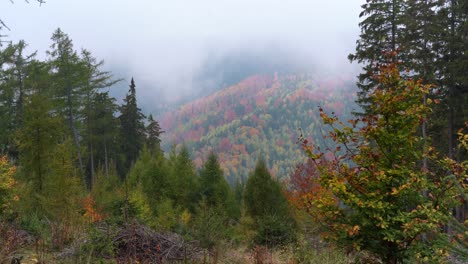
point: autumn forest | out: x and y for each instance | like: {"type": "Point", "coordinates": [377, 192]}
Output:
{"type": "Point", "coordinates": [277, 166]}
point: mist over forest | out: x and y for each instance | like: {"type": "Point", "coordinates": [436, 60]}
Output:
{"type": "Point", "coordinates": [208, 131]}
{"type": "Point", "coordinates": [176, 57]}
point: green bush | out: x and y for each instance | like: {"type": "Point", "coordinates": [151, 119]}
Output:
{"type": "Point", "coordinates": [274, 231]}
{"type": "Point", "coordinates": [99, 244]}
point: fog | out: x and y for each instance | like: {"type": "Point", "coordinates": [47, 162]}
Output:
{"type": "Point", "coordinates": [168, 46]}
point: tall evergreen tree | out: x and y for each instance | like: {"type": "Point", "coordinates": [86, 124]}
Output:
{"type": "Point", "coordinates": [6, 117]}
{"type": "Point", "coordinates": [453, 80]}
{"type": "Point", "coordinates": [95, 79]}
{"type": "Point", "coordinates": [18, 67]}
{"type": "Point", "coordinates": [452, 67]}
{"type": "Point", "coordinates": [68, 91]}
{"type": "Point", "coordinates": [7, 99]}
{"type": "Point", "coordinates": [420, 39]}
{"type": "Point", "coordinates": [102, 134]}
{"type": "Point", "coordinates": [380, 31]}
{"type": "Point", "coordinates": [421, 44]}
{"type": "Point", "coordinates": [15, 85]}
{"type": "Point", "coordinates": [132, 134]}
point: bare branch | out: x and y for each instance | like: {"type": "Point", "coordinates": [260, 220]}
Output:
{"type": "Point", "coordinates": [2, 24]}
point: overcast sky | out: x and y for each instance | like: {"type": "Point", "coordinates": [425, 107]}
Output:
{"type": "Point", "coordinates": [163, 43]}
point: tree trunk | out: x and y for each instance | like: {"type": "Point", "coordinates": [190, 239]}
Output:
{"type": "Point", "coordinates": [39, 162]}
{"type": "Point", "coordinates": [75, 135]}
{"type": "Point", "coordinates": [106, 165]}
{"type": "Point", "coordinates": [91, 154]}
{"type": "Point", "coordinates": [19, 103]}
{"type": "Point", "coordinates": [394, 28]}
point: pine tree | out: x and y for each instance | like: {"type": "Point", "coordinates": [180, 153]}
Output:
{"type": "Point", "coordinates": [132, 134]}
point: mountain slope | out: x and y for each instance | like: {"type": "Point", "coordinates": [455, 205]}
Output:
{"type": "Point", "coordinates": [260, 116]}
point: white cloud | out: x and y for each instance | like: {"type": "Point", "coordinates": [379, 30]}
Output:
{"type": "Point", "coordinates": [164, 42]}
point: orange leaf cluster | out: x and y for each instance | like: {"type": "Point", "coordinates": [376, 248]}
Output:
{"type": "Point", "coordinates": [92, 213]}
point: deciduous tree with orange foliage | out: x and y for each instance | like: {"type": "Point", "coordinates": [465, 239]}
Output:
{"type": "Point", "coordinates": [380, 198]}
{"type": "Point", "coordinates": [304, 188]}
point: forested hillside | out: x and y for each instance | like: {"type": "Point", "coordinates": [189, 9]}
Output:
{"type": "Point", "coordinates": [262, 116]}
{"type": "Point", "coordinates": [281, 166]}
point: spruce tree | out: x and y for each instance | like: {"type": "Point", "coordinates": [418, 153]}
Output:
{"type": "Point", "coordinates": [420, 39]}
{"type": "Point", "coordinates": [153, 134]}
{"type": "Point", "coordinates": [453, 80]}
{"type": "Point", "coordinates": [132, 133]}
{"type": "Point", "coordinates": [267, 205]}
{"type": "Point", "coordinates": [452, 67]}
{"type": "Point", "coordinates": [380, 31]}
